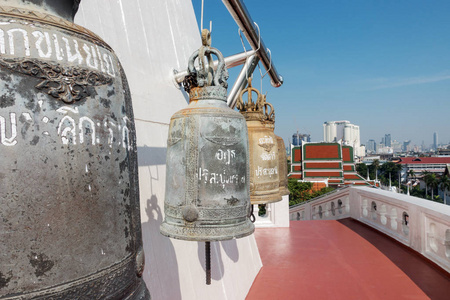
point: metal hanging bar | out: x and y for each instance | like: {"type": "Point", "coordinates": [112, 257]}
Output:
{"type": "Point", "coordinates": [240, 14]}
{"type": "Point", "coordinates": [242, 79]}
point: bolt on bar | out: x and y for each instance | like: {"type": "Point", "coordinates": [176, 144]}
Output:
{"type": "Point", "coordinates": [240, 14]}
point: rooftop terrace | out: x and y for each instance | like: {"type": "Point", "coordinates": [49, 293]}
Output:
{"type": "Point", "coordinates": [342, 259]}
{"type": "Point", "coordinates": [357, 243]}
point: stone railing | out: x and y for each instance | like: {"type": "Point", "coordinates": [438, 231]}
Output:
{"type": "Point", "coordinates": [331, 206]}
{"type": "Point", "coordinates": [420, 224]}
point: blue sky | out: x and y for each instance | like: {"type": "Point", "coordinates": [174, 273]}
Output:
{"type": "Point", "coordinates": [382, 65]}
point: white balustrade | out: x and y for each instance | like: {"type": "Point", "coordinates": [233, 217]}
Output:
{"type": "Point", "coordinates": [420, 224]}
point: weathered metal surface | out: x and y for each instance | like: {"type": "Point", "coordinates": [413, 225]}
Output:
{"type": "Point", "coordinates": [263, 146]}
{"type": "Point", "coordinates": [69, 195]}
{"type": "Point", "coordinates": [207, 171]}
{"type": "Point", "coordinates": [282, 167]}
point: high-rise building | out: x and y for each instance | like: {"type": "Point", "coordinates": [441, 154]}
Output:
{"type": "Point", "coordinates": [396, 146]}
{"type": "Point", "coordinates": [298, 138]}
{"type": "Point", "coordinates": [345, 133]}
{"type": "Point", "coordinates": [406, 146]}
{"type": "Point", "coordinates": [435, 141]}
{"type": "Point", "coordinates": [371, 146]}
{"type": "Point", "coordinates": [387, 140]}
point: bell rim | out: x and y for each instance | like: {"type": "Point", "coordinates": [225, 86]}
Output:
{"type": "Point", "coordinates": [284, 191]}
{"type": "Point", "coordinates": [266, 198]}
{"type": "Point", "coordinates": [265, 201]}
{"type": "Point", "coordinates": [198, 234]}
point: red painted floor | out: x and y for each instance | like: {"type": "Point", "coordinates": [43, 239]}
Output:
{"type": "Point", "coordinates": [328, 260]}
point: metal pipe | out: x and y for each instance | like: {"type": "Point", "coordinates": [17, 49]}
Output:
{"type": "Point", "coordinates": [242, 79]}
{"type": "Point", "coordinates": [240, 14]}
{"type": "Point", "coordinates": [230, 62]}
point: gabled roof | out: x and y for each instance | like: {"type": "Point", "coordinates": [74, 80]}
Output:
{"type": "Point", "coordinates": [424, 160]}
{"type": "Point", "coordinates": [318, 151]}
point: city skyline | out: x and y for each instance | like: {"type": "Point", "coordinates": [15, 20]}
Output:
{"type": "Point", "coordinates": [416, 143]}
{"type": "Point", "coordinates": [382, 65]}
{"type": "Point", "coordinates": [381, 139]}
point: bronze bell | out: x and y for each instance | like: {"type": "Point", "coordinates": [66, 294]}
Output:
{"type": "Point", "coordinates": [70, 224]}
{"type": "Point", "coordinates": [207, 170]}
{"type": "Point", "coordinates": [269, 122]}
{"type": "Point", "coordinates": [282, 164]}
{"type": "Point", "coordinates": [263, 146]}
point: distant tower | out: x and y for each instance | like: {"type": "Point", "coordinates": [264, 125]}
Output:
{"type": "Point", "coordinates": [406, 146]}
{"type": "Point", "coordinates": [387, 140]}
{"type": "Point", "coordinates": [295, 139]}
{"type": "Point", "coordinates": [345, 133]}
{"type": "Point", "coordinates": [435, 141]}
{"type": "Point", "coordinates": [299, 138]}
{"type": "Point", "coordinates": [371, 146]}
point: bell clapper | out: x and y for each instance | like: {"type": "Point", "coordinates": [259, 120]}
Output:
{"type": "Point", "coordinates": [208, 262]}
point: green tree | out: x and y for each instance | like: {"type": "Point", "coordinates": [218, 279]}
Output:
{"type": "Point", "coordinates": [302, 191]}
{"type": "Point", "coordinates": [444, 184]}
{"type": "Point", "coordinates": [299, 191]}
{"type": "Point", "coordinates": [411, 174]}
{"type": "Point", "coordinates": [322, 191]}
{"type": "Point", "coordinates": [361, 168]}
{"type": "Point", "coordinates": [416, 191]}
{"type": "Point", "coordinates": [431, 182]}
{"type": "Point", "coordinates": [437, 198]}
{"type": "Point", "coordinates": [426, 176]}
{"type": "Point", "coordinates": [434, 183]}
{"type": "Point", "coordinates": [375, 165]}
{"type": "Point", "coordinates": [392, 169]}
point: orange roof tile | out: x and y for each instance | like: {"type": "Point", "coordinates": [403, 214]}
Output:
{"type": "Point", "coordinates": [322, 151]}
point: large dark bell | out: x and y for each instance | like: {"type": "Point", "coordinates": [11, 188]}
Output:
{"type": "Point", "coordinates": [69, 195]}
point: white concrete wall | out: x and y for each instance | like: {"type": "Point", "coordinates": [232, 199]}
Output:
{"type": "Point", "coordinates": [426, 229]}
{"type": "Point", "coordinates": [152, 37]}
{"type": "Point", "coordinates": [277, 214]}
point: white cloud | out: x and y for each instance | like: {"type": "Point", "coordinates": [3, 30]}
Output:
{"type": "Point", "coordinates": [385, 83]}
